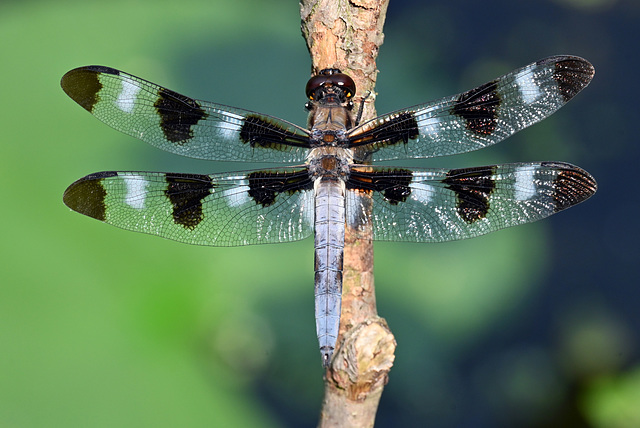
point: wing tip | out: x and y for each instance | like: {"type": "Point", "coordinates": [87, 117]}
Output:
{"type": "Point", "coordinates": [82, 84]}
{"type": "Point", "coordinates": [86, 195]}
{"type": "Point", "coordinates": [572, 73]}
{"type": "Point", "coordinates": [572, 185]}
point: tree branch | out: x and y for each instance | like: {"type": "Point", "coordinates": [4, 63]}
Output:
{"type": "Point", "coordinates": [347, 35]}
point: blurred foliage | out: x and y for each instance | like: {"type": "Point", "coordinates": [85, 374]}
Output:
{"type": "Point", "coordinates": [612, 401]}
{"type": "Point", "coordinates": [533, 326]}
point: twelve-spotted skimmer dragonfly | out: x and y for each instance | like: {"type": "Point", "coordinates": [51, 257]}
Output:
{"type": "Point", "coordinates": [333, 186]}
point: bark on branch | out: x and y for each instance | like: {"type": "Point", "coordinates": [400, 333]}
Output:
{"type": "Point", "coordinates": [347, 35]}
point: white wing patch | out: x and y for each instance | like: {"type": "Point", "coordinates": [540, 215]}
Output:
{"type": "Point", "coordinates": [427, 122]}
{"type": "Point", "coordinates": [529, 91]}
{"type": "Point", "coordinates": [231, 126]}
{"type": "Point", "coordinates": [128, 94]}
{"type": "Point", "coordinates": [238, 195]}
{"type": "Point", "coordinates": [136, 191]}
{"type": "Point", "coordinates": [420, 191]}
{"type": "Point", "coordinates": [525, 185]}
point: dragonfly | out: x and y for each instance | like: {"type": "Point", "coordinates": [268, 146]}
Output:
{"type": "Point", "coordinates": [332, 183]}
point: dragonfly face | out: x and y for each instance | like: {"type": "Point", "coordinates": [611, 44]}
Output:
{"type": "Point", "coordinates": [324, 193]}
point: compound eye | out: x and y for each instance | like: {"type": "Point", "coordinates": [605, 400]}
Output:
{"type": "Point", "coordinates": [314, 83]}
{"type": "Point", "coordinates": [331, 77]}
{"type": "Point", "coordinates": [345, 82]}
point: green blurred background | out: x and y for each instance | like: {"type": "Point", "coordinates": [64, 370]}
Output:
{"type": "Point", "coordinates": [533, 326]}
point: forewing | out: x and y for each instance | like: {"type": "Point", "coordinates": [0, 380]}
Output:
{"type": "Point", "coordinates": [219, 210]}
{"type": "Point", "coordinates": [447, 205]}
{"type": "Point", "coordinates": [477, 118]}
{"type": "Point", "coordinates": [183, 125]}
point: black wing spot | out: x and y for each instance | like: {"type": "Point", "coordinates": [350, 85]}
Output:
{"type": "Point", "coordinates": [178, 115]}
{"type": "Point", "coordinates": [260, 132]}
{"type": "Point", "coordinates": [186, 193]}
{"type": "Point", "coordinates": [399, 129]}
{"type": "Point", "coordinates": [572, 185]}
{"type": "Point", "coordinates": [473, 188]}
{"type": "Point", "coordinates": [479, 108]}
{"type": "Point", "coordinates": [87, 195]}
{"type": "Point", "coordinates": [394, 184]}
{"type": "Point", "coordinates": [572, 76]}
{"type": "Point", "coordinates": [83, 85]}
{"type": "Point", "coordinates": [265, 186]}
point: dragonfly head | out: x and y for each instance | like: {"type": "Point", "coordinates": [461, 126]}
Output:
{"type": "Point", "coordinates": [331, 86]}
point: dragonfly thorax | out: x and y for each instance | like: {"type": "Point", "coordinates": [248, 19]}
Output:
{"type": "Point", "coordinates": [331, 162]}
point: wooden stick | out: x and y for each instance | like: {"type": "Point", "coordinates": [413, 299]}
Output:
{"type": "Point", "coordinates": [348, 35]}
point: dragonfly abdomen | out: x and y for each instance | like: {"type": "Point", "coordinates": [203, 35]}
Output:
{"type": "Point", "coordinates": [329, 248]}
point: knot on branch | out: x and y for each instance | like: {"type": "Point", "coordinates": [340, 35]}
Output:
{"type": "Point", "coordinates": [362, 364]}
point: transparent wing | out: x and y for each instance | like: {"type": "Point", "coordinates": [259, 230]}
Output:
{"type": "Point", "coordinates": [435, 205]}
{"type": "Point", "coordinates": [477, 118]}
{"type": "Point", "coordinates": [183, 125]}
{"type": "Point", "coordinates": [219, 210]}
